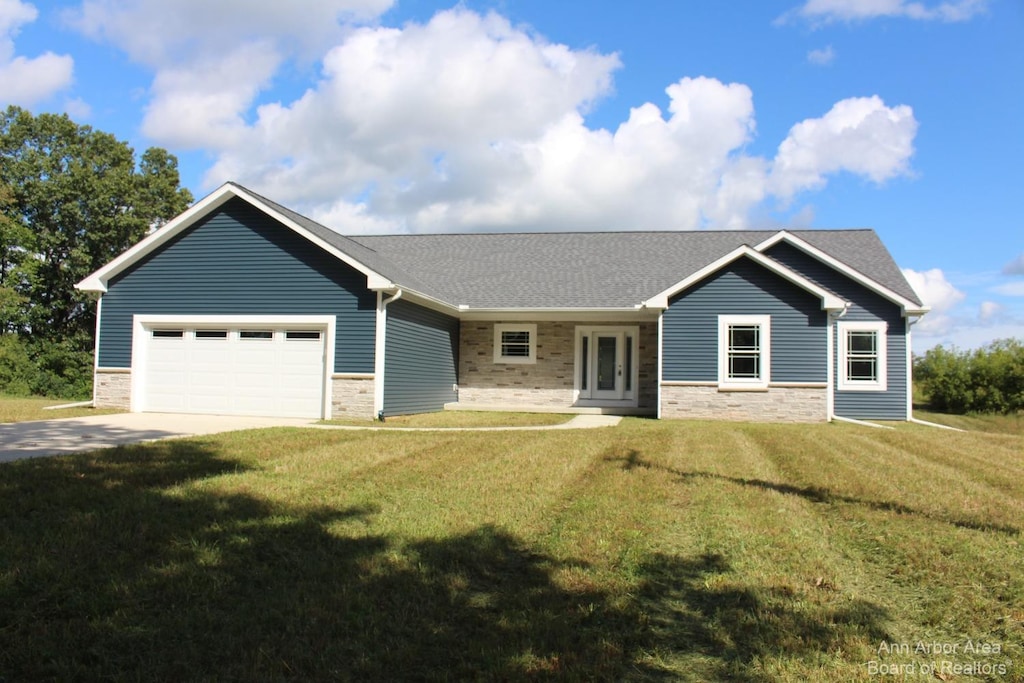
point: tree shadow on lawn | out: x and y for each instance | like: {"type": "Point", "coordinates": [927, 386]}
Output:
{"type": "Point", "coordinates": [111, 569]}
{"type": "Point", "coordinates": [815, 494]}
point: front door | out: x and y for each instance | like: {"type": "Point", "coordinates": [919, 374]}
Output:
{"type": "Point", "coordinates": [606, 364]}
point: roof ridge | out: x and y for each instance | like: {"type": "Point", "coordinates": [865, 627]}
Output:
{"type": "Point", "coordinates": [771, 231]}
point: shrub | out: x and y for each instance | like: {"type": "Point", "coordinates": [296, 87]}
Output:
{"type": "Point", "coordinates": [44, 368]}
{"type": "Point", "coordinates": [985, 380]}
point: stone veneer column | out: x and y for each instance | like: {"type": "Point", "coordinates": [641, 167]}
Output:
{"type": "Point", "coordinates": [112, 388]}
{"type": "Point", "coordinates": [352, 397]}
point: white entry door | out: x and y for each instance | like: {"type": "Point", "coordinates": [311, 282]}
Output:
{"type": "Point", "coordinates": [606, 364]}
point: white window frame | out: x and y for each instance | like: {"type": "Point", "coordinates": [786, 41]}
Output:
{"type": "Point", "coordinates": [529, 328]}
{"type": "Point", "coordinates": [880, 328]}
{"type": "Point", "coordinates": [764, 322]}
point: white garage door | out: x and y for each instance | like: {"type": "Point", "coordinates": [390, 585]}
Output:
{"type": "Point", "coordinates": [234, 370]}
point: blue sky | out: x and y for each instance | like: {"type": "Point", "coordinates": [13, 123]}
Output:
{"type": "Point", "coordinates": [419, 116]}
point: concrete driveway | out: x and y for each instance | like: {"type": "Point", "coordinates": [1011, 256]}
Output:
{"type": "Point", "coordinates": [72, 434]}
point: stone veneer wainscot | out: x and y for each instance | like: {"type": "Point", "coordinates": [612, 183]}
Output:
{"type": "Point", "coordinates": [777, 404]}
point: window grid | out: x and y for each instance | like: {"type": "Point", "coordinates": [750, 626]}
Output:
{"type": "Point", "coordinates": [744, 352]}
{"type": "Point", "coordinates": [862, 356]}
{"type": "Point", "coordinates": [515, 344]}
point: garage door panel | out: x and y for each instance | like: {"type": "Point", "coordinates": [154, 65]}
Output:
{"type": "Point", "coordinates": [235, 374]}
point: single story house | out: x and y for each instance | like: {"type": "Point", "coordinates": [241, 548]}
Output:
{"type": "Point", "coordinates": [242, 306]}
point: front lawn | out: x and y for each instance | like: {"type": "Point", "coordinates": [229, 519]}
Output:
{"type": "Point", "coordinates": [650, 551]}
{"type": "Point", "coordinates": [21, 409]}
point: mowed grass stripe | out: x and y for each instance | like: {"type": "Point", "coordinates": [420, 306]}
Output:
{"type": "Point", "coordinates": [678, 551]}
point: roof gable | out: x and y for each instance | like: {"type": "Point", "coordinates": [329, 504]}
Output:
{"type": "Point", "coordinates": [98, 280]}
{"type": "Point", "coordinates": [876, 258]}
{"type": "Point", "coordinates": [829, 301]}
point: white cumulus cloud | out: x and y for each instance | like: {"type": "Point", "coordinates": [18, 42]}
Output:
{"type": "Point", "coordinates": [27, 80]}
{"type": "Point", "coordinates": [860, 135]}
{"type": "Point", "coordinates": [468, 122]}
{"type": "Point", "coordinates": [825, 11]}
{"type": "Point", "coordinates": [212, 59]}
{"type": "Point", "coordinates": [938, 293]}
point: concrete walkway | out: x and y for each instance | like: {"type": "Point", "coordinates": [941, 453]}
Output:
{"type": "Point", "coordinates": [578, 422]}
{"type": "Point", "coordinates": [73, 434]}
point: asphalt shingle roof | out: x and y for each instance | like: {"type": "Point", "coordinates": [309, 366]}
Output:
{"type": "Point", "coordinates": [596, 269]}
{"type": "Point", "coordinates": [575, 269]}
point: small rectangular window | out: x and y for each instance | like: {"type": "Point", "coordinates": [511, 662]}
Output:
{"type": "Point", "coordinates": [307, 335]}
{"type": "Point", "coordinates": [515, 343]}
{"type": "Point", "coordinates": [211, 334]}
{"type": "Point", "coordinates": [169, 334]}
{"type": "Point", "coordinates": [256, 334]}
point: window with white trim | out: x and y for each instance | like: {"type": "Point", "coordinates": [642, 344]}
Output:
{"type": "Point", "coordinates": [862, 355]}
{"type": "Point", "coordinates": [744, 351]}
{"type": "Point", "coordinates": [515, 343]}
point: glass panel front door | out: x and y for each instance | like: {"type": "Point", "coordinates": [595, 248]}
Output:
{"type": "Point", "coordinates": [608, 366]}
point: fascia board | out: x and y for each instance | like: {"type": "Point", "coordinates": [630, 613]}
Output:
{"type": "Point", "coordinates": [908, 306]}
{"type": "Point", "coordinates": [631, 314]}
{"type": "Point", "coordinates": [424, 300]}
{"type": "Point", "coordinates": [829, 301]}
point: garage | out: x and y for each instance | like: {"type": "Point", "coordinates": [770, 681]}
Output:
{"type": "Point", "coordinates": [230, 369]}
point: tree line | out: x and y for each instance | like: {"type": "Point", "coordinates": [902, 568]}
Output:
{"type": "Point", "coordinates": [71, 199]}
{"type": "Point", "coordinates": [985, 380]}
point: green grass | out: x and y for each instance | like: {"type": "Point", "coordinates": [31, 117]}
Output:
{"type": "Point", "coordinates": [1000, 424]}
{"type": "Point", "coordinates": [650, 551]}
{"type": "Point", "coordinates": [17, 409]}
{"type": "Point", "coordinates": [450, 419]}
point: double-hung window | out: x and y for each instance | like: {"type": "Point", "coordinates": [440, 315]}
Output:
{"type": "Point", "coordinates": [515, 343]}
{"type": "Point", "coordinates": [862, 356]}
{"type": "Point", "coordinates": [744, 351]}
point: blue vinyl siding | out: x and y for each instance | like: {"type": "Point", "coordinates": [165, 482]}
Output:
{"type": "Point", "coordinates": [239, 261]}
{"type": "Point", "coordinates": [867, 306]}
{"type": "Point", "coordinates": [798, 325]}
{"type": "Point", "coordinates": [421, 357]}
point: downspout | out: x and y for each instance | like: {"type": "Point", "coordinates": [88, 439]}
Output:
{"type": "Point", "coordinates": [379, 351]}
{"type": "Point", "coordinates": [830, 381]}
{"type": "Point", "coordinates": [910, 368]}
